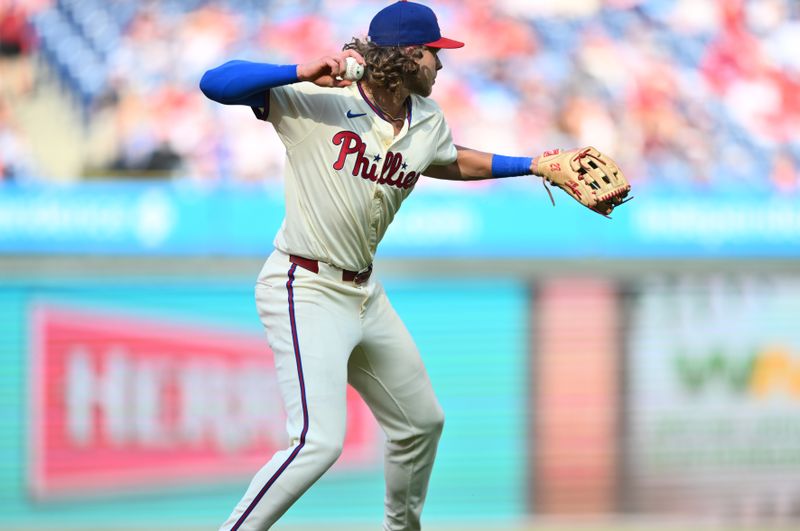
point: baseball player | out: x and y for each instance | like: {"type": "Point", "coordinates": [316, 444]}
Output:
{"type": "Point", "coordinates": [354, 152]}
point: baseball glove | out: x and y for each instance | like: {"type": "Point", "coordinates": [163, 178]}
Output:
{"type": "Point", "coordinates": [590, 177]}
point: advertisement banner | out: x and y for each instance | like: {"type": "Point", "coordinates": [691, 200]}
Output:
{"type": "Point", "coordinates": [573, 400]}
{"type": "Point", "coordinates": [178, 220]}
{"type": "Point", "coordinates": [149, 402]}
{"type": "Point", "coordinates": [123, 402]}
{"type": "Point", "coordinates": [714, 396]}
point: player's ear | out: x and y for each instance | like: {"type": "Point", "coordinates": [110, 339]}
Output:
{"type": "Point", "coordinates": [415, 52]}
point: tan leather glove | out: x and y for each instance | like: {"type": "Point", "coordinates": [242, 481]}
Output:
{"type": "Point", "coordinates": [590, 177]}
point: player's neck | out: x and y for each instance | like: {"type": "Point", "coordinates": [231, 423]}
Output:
{"type": "Point", "coordinates": [393, 104]}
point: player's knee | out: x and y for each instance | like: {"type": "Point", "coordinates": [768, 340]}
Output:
{"type": "Point", "coordinates": [433, 422]}
{"type": "Point", "coordinates": [324, 452]}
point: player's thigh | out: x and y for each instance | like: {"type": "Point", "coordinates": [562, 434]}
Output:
{"type": "Point", "coordinates": [387, 370]}
{"type": "Point", "coordinates": [311, 339]}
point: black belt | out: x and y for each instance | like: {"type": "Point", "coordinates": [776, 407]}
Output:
{"type": "Point", "coordinates": [359, 277]}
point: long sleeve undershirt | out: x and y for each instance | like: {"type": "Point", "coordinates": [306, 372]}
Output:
{"type": "Point", "coordinates": [244, 82]}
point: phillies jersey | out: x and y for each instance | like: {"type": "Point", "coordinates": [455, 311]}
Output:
{"type": "Point", "coordinates": [346, 172]}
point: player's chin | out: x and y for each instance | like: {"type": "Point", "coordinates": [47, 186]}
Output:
{"type": "Point", "coordinates": [419, 85]}
{"type": "Point", "coordinates": [422, 90]}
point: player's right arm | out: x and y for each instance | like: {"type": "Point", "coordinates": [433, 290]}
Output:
{"type": "Point", "coordinates": [245, 82]}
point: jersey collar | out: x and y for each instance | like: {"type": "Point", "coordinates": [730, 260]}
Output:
{"type": "Point", "coordinates": [379, 112]}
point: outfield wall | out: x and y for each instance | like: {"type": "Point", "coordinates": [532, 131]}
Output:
{"type": "Point", "coordinates": [583, 369]}
{"type": "Point", "coordinates": [147, 401]}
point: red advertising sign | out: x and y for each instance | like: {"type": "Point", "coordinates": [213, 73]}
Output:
{"type": "Point", "coordinates": [121, 401]}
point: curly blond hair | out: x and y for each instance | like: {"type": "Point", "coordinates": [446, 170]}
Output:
{"type": "Point", "coordinates": [387, 66]}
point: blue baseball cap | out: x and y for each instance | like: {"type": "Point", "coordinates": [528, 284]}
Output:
{"type": "Point", "coordinates": [408, 24]}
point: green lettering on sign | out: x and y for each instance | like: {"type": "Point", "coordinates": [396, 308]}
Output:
{"type": "Point", "coordinates": [696, 373]}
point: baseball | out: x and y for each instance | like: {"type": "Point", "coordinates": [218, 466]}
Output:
{"type": "Point", "coordinates": [353, 70]}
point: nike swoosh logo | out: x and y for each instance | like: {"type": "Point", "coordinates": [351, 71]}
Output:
{"type": "Point", "coordinates": [351, 115]}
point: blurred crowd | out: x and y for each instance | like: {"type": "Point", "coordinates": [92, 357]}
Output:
{"type": "Point", "coordinates": [685, 94]}
{"type": "Point", "coordinates": [16, 43]}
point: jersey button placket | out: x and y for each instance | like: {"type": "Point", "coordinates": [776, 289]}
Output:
{"type": "Point", "coordinates": [375, 214]}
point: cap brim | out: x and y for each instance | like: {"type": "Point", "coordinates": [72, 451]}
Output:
{"type": "Point", "coordinates": [444, 42]}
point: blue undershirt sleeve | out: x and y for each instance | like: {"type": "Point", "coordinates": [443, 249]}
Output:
{"type": "Point", "coordinates": [244, 82]}
{"type": "Point", "coordinates": [503, 166]}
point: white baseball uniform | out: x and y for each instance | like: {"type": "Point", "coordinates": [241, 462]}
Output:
{"type": "Point", "coordinates": [329, 322]}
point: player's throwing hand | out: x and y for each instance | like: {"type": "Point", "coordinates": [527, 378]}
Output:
{"type": "Point", "coordinates": [328, 71]}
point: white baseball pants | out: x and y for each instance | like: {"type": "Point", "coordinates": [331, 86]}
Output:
{"type": "Point", "coordinates": [326, 332]}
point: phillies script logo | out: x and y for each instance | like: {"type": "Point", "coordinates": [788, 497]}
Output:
{"type": "Point", "coordinates": [353, 145]}
{"type": "Point", "coordinates": [123, 402]}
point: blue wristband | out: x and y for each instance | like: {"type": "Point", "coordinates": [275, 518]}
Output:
{"type": "Point", "coordinates": [503, 166]}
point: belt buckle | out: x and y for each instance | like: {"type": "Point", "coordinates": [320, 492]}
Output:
{"type": "Point", "coordinates": [363, 275]}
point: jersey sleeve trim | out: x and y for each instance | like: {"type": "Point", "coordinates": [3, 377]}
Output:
{"type": "Point", "coordinates": [262, 113]}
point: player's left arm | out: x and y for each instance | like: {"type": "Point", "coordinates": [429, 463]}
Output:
{"type": "Point", "coordinates": [474, 165]}
{"type": "Point", "coordinates": [587, 175]}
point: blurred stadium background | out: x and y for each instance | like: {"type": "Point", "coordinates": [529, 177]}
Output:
{"type": "Point", "coordinates": [642, 373]}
